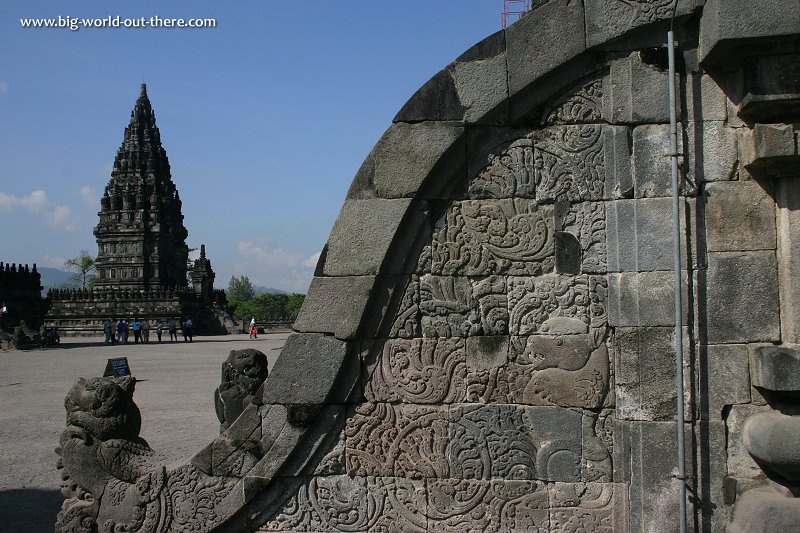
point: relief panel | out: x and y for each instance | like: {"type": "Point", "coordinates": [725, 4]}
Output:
{"type": "Point", "coordinates": [353, 504]}
{"type": "Point", "coordinates": [480, 505]}
{"type": "Point", "coordinates": [485, 237]}
{"type": "Point", "coordinates": [403, 440]}
{"type": "Point", "coordinates": [423, 371]}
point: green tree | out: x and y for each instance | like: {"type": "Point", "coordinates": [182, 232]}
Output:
{"type": "Point", "coordinates": [240, 290]}
{"type": "Point", "coordinates": [264, 307]}
{"type": "Point", "coordinates": [293, 305]}
{"type": "Point", "coordinates": [83, 267]}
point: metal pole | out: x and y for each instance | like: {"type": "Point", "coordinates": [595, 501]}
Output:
{"type": "Point", "coordinates": [676, 227]}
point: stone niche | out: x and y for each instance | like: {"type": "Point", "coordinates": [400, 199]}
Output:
{"type": "Point", "coordinates": [489, 342]}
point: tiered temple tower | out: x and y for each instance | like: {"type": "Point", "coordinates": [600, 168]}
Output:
{"type": "Point", "coordinates": [142, 254]}
{"type": "Point", "coordinates": [141, 238]}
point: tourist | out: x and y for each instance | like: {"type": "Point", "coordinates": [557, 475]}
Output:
{"type": "Point", "coordinates": [146, 331]}
{"type": "Point", "coordinates": [173, 330]}
{"type": "Point", "coordinates": [159, 329]}
{"type": "Point", "coordinates": [107, 331]}
{"type": "Point", "coordinates": [122, 330]}
{"type": "Point", "coordinates": [187, 329]}
{"type": "Point", "coordinates": [137, 331]}
{"type": "Point", "coordinates": [3, 310]}
{"type": "Point", "coordinates": [253, 329]}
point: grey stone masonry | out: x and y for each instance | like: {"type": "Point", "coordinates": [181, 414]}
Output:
{"type": "Point", "coordinates": [740, 216]}
{"type": "Point", "coordinates": [742, 300]}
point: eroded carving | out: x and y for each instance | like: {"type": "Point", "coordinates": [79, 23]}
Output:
{"type": "Point", "coordinates": [569, 163]}
{"type": "Point", "coordinates": [113, 481]}
{"type": "Point", "coordinates": [243, 375]}
{"type": "Point", "coordinates": [549, 303]}
{"type": "Point", "coordinates": [509, 174]}
{"type": "Point", "coordinates": [587, 222]}
{"type": "Point", "coordinates": [582, 106]}
{"type": "Point", "coordinates": [425, 371]}
{"type": "Point", "coordinates": [484, 237]}
{"type": "Point", "coordinates": [403, 440]}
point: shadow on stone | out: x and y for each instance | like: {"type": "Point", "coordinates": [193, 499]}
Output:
{"type": "Point", "coordinates": [29, 510]}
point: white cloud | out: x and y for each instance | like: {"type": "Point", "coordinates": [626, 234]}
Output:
{"type": "Point", "coordinates": [52, 261]}
{"type": "Point", "coordinates": [61, 217]}
{"type": "Point", "coordinates": [270, 266]}
{"type": "Point", "coordinates": [37, 203]}
{"type": "Point", "coordinates": [4, 87]}
{"type": "Point", "coordinates": [311, 262]}
{"type": "Point", "coordinates": [89, 197]}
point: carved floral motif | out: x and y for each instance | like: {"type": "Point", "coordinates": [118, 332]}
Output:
{"type": "Point", "coordinates": [423, 371]}
{"type": "Point", "coordinates": [569, 163]}
{"type": "Point", "coordinates": [582, 106]}
{"type": "Point", "coordinates": [484, 237]}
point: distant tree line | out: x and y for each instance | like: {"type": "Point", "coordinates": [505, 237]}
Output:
{"type": "Point", "coordinates": [243, 302]}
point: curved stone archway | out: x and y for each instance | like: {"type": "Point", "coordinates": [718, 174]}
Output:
{"type": "Point", "coordinates": [487, 343]}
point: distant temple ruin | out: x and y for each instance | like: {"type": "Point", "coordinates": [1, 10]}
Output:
{"type": "Point", "coordinates": [142, 259]}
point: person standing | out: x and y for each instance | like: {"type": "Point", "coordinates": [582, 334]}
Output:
{"type": "Point", "coordinates": [173, 330]}
{"type": "Point", "coordinates": [121, 328]}
{"type": "Point", "coordinates": [253, 328]}
{"type": "Point", "coordinates": [107, 330]}
{"type": "Point", "coordinates": [187, 329]}
{"type": "Point", "coordinates": [159, 329]}
{"type": "Point", "coordinates": [146, 331]}
{"type": "Point", "coordinates": [137, 331]}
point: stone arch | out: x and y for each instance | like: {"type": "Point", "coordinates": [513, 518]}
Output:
{"type": "Point", "coordinates": [483, 346]}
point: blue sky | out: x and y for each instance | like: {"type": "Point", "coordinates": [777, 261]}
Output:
{"type": "Point", "coordinates": [265, 118]}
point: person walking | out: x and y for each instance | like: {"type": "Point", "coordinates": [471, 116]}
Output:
{"type": "Point", "coordinates": [137, 331]}
{"type": "Point", "coordinates": [107, 330]}
{"type": "Point", "coordinates": [187, 329]}
{"type": "Point", "coordinates": [146, 331]}
{"type": "Point", "coordinates": [173, 330]}
{"type": "Point", "coordinates": [253, 328]}
{"type": "Point", "coordinates": [159, 330]}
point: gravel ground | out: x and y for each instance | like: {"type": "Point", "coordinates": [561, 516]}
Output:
{"type": "Point", "coordinates": [174, 391]}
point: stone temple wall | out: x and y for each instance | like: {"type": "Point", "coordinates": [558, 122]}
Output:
{"type": "Point", "coordinates": [488, 342]}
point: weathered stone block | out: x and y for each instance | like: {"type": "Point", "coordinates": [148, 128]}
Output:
{"type": "Point", "coordinates": [652, 174]}
{"type": "Point", "coordinates": [765, 511]}
{"type": "Point", "coordinates": [787, 198]}
{"type": "Point", "coordinates": [728, 377]}
{"type": "Point", "coordinates": [645, 373]}
{"type": "Point", "coordinates": [437, 99]}
{"type": "Point", "coordinates": [361, 236]}
{"type": "Point", "coordinates": [713, 151]}
{"type": "Point", "coordinates": [705, 99]}
{"type": "Point", "coordinates": [740, 464]}
{"type": "Point", "coordinates": [639, 236]}
{"type": "Point", "coordinates": [742, 302]}
{"type": "Point", "coordinates": [596, 507]}
{"type": "Point", "coordinates": [645, 298]}
{"type": "Point", "coordinates": [607, 19]}
{"type": "Point", "coordinates": [405, 156]}
{"type": "Point", "coordinates": [538, 43]}
{"type": "Point", "coordinates": [636, 89]}
{"type": "Point", "coordinates": [307, 370]}
{"type": "Point", "coordinates": [770, 151]}
{"type": "Point", "coordinates": [775, 368]}
{"type": "Point", "coordinates": [500, 163]}
{"type": "Point", "coordinates": [771, 439]}
{"type": "Point", "coordinates": [335, 305]}
{"type": "Point", "coordinates": [482, 87]}
{"type": "Point", "coordinates": [423, 371]}
{"type": "Point", "coordinates": [729, 24]}
{"type": "Point", "coordinates": [654, 494]}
